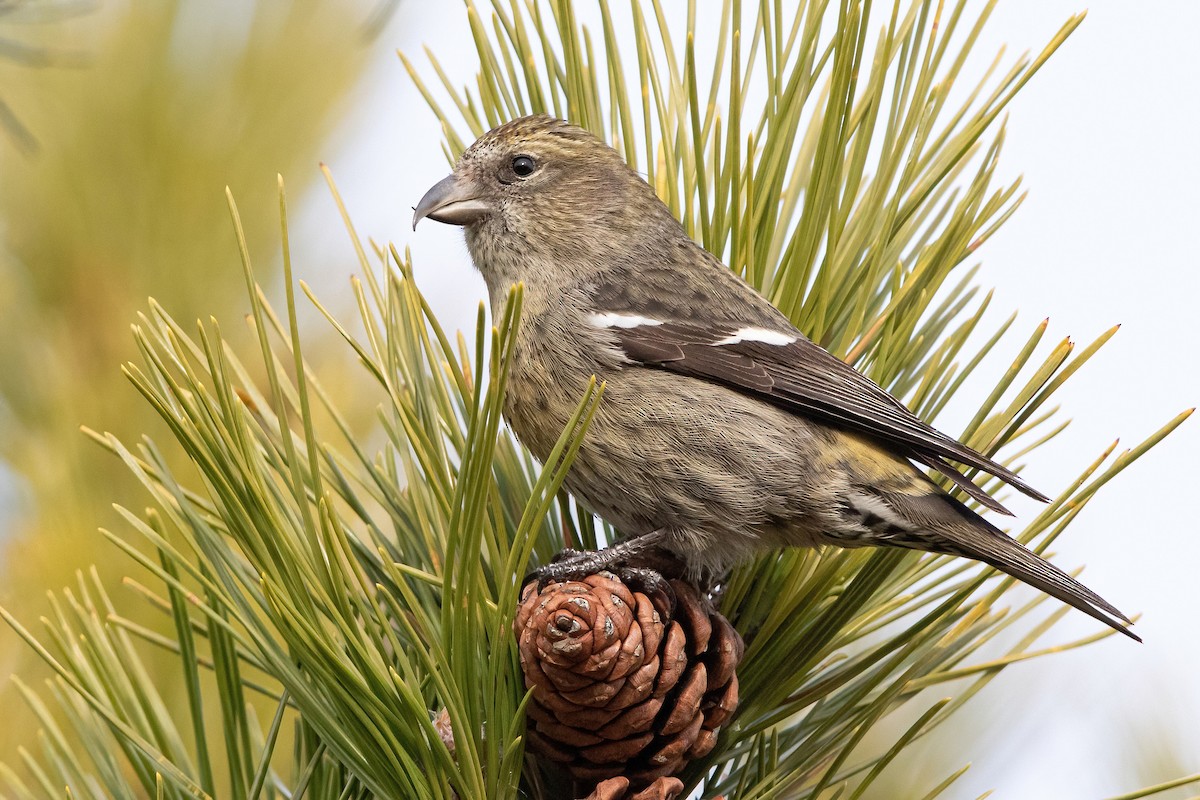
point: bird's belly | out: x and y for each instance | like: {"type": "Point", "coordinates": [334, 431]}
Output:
{"type": "Point", "coordinates": [725, 473]}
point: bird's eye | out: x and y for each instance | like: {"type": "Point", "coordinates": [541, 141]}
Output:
{"type": "Point", "coordinates": [523, 166]}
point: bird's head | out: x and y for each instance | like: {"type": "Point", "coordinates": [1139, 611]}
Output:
{"type": "Point", "coordinates": [541, 191]}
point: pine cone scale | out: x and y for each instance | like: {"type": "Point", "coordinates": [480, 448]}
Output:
{"type": "Point", "coordinates": [687, 702]}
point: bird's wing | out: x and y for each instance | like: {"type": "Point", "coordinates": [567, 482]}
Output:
{"type": "Point", "coordinates": [787, 369]}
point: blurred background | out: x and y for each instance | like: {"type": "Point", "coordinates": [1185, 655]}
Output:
{"type": "Point", "coordinates": [123, 123]}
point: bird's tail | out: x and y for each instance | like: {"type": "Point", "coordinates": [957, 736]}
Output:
{"type": "Point", "coordinates": [995, 548]}
{"type": "Point", "coordinates": [953, 529]}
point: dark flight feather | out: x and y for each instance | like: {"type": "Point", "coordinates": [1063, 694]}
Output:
{"type": "Point", "coordinates": [805, 378]}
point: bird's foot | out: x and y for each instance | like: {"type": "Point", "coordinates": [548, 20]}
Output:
{"type": "Point", "coordinates": [639, 562]}
{"type": "Point", "coordinates": [573, 565]}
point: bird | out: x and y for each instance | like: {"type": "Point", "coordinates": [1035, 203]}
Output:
{"type": "Point", "coordinates": [723, 431]}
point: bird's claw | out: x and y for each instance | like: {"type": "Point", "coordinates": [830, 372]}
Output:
{"type": "Point", "coordinates": [571, 565]}
{"type": "Point", "coordinates": [575, 565]}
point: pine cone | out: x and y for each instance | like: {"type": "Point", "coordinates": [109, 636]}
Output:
{"type": "Point", "coordinates": [618, 688]}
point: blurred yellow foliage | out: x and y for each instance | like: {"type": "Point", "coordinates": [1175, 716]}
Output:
{"type": "Point", "coordinates": [161, 106]}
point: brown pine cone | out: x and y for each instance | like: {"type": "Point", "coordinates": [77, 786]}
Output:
{"type": "Point", "coordinates": [618, 688]}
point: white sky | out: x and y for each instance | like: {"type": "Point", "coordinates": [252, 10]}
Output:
{"type": "Point", "coordinates": [1106, 136]}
